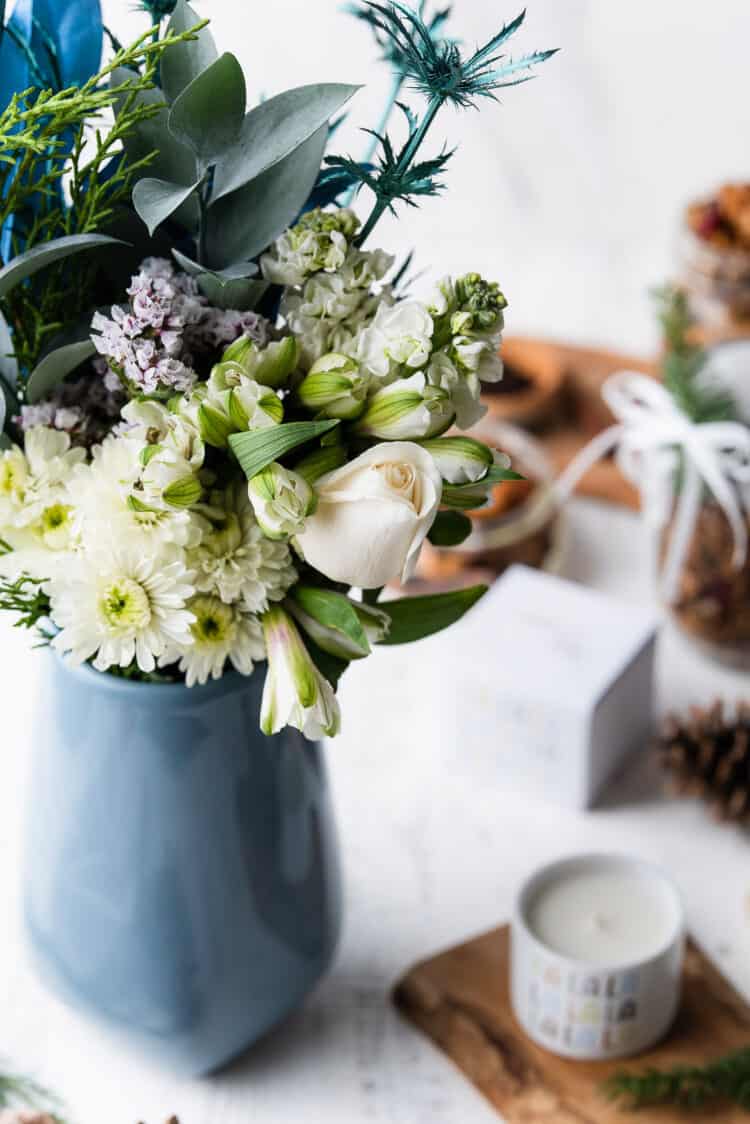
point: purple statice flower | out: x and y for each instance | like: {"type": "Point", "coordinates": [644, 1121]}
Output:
{"type": "Point", "coordinates": [152, 345]}
{"type": "Point", "coordinates": [86, 407]}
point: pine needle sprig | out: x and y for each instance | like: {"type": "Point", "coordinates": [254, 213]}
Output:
{"type": "Point", "coordinates": [684, 362]}
{"type": "Point", "coordinates": [24, 1092]}
{"type": "Point", "coordinates": [725, 1080]}
{"type": "Point", "coordinates": [25, 599]}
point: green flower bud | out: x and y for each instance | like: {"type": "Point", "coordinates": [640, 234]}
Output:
{"type": "Point", "coordinates": [273, 366]}
{"type": "Point", "coordinates": [333, 387]}
{"type": "Point", "coordinates": [339, 625]}
{"type": "Point", "coordinates": [407, 410]}
{"type": "Point", "coordinates": [480, 304]}
{"type": "Point", "coordinates": [281, 500]}
{"type": "Point", "coordinates": [460, 460]}
{"type": "Point", "coordinates": [295, 692]}
{"type": "Point", "coordinates": [184, 492]}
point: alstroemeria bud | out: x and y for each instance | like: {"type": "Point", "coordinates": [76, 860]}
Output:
{"type": "Point", "coordinates": [339, 625]}
{"type": "Point", "coordinates": [295, 692]}
{"type": "Point", "coordinates": [407, 410]}
{"type": "Point", "coordinates": [281, 500]}
{"type": "Point", "coordinates": [460, 460]}
{"type": "Point", "coordinates": [467, 497]}
{"type": "Point", "coordinates": [244, 359]}
{"type": "Point", "coordinates": [333, 387]}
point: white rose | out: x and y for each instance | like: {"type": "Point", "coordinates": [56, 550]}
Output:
{"type": "Point", "coordinates": [373, 515]}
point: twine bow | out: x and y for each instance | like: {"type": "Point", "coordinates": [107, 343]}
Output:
{"type": "Point", "coordinates": [654, 438]}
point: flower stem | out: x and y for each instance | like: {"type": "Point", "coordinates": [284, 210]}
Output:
{"type": "Point", "coordinates": [396, 84]}
{"type": "Point", "coordinates": [383, 202]}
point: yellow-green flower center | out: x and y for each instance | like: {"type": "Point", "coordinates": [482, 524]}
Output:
{"type": "Point", "coordinates": [213, 620]}
{"type": "Point", "coordinates": [125, 605]}
{"type": "Point", "coordinates": [55, 517]}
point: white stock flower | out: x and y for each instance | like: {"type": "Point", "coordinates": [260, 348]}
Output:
{"type": "Point", "coordinates": [236, 561]}
{"type": "Point", "coordinates": [295, 692]}
{"type": "Point", "coordinates": [462, 386]}
{"type": "Point", "coordinates": [119, 605]}
{"type": "Point", "coordinates": [317, 242]}
{"type": "Point", "coordinates": [219, 632]}
{"type": "Point", "coordinates": [373, 515]}
{"type": "Point", "coordinates": [399, 336]}
{"type": "Point", "coordinates": [281, 500]}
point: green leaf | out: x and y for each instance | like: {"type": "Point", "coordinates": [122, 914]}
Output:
{"type": "Point", "coordinates": [55, 366]}
{"type": "Point", "coordinates": [256, 450]}
{"type": "Point", "coordinates": [320, 461]}
{"type": "Point", "coordinates": [413, 618]}
{"type": "Point", "coordinates": [241, 293]}
{"type": "Point", "coordinates": [208, 114]}
{"type": "Point", "coordinates": [231, 273]}
{"type": "Point", "coordinates": [273, 129]}
{"type": "Point", "coordinates": [242, 224]}
{"type": "Point", "coordinates": [30, 262]}
{"type": "Point", "coordinates": [8, 362]}
{"type": "Point", "coordinates": [449, 529]}
{"type": "Point", "coordinates": [183, 62]}
{"type": "Point", "coordinates": [469, 496]}
{"type": "Point", "coordinates": [9, 404]}
{"type": "Point", "coordinates": [214, 426]}
{"type": "Point", "coordinates": [155, 200]}
{"type": "Point", "coordinates": [341, 632]}
{"type": "Point", "coordinates": [170, 160]}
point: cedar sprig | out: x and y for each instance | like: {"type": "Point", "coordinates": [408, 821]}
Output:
{"type": "Point", "coordinates": [684, 362]}
{"type": "Point", "coordinates": [26, 598]}
{"type": "Point", "coordinates": [727, 1079]}
{"type": "Point", "coordinates": [24, 1092]}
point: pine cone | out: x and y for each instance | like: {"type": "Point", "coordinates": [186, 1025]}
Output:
{"type": "Point", "coordinates": [708, 755]}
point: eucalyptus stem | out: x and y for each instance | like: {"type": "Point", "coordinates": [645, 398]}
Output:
{"type": "Point", "coordinates": [202, 223]}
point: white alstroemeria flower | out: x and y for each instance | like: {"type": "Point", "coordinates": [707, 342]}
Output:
{"type": "Point", "coordinates": [406, 410]}
{"type": "Point", "coordinates": [50, 461]}
{"type": "Point", "coordinates": [462, 386]}
{"type": "Point", "coordinates": [333, 387]}
{"type": "Point", "coordinates": [373, 515]}
{"type": "Point", "coordinates": [480, 357]}
{"type": "Point", "coordinates": [14, 474]}
{"type": "Point", "coordinates": [295, 693]}
{"type": "Point", "coordinates": [168, 478]}
{"type": "Point", "coordinates": [462, 460]}
{"type": "Point", "coordinates": [219, 632]}
{"type": "Point", "coordinates": [236, 561]}
{"type": "Point", "coordinates": [399, 336]}
{"type": "Point", "coordinates": [235, 402]}
{"type": "Point", "coordinates": [281, 500]}
{"type": "Point", "coordinates": [120, 605]}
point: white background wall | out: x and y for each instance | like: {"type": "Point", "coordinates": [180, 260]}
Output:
{"type": "Point", "coordinates": [569, 192]}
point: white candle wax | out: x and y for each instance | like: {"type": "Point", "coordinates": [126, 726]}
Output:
{"type": "Point", "coordinates": [603, 916]}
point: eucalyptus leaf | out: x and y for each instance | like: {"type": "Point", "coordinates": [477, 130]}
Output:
{"type": "Point", "coordinates": [231, 273]}
{"type": "Point", "coordinates": [30, 262]}
{"type": "Point", "coordinates": [245, 222]}
{"type": "Point", "coordinates": [8, 363]}
{"type": "Point", "coordinates": [256, 450]}
{"type": "Point", "coordinates": [275, 128]}
{"type": "Point", "coordinates": [170, 160]}
{"type": "Point", "coordinates": [240, 293]}
{"type": "Point", "coordinates": [183, 62]}
{"type": "Point", "coordinates": [155, 200]}
{"type": "Point", "coordinates": [55, 366]}
{"type": "Point", "coordinates": [208, 114]}
{"type": "Point", "coordinates": [413, 618]}
{"type": "Point", "coordinates": [449, 529]}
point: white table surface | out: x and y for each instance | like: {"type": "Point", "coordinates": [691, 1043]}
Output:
{"type": "Point", "coordinates": [433, 850]}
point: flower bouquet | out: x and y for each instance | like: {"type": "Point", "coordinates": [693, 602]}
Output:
{"type": "Point", "coordinates": [227, 428]}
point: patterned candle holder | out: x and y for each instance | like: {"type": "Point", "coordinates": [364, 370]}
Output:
{"type": "Point", "coordinates": [588, 1008]}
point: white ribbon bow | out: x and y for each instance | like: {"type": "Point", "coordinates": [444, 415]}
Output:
{"type": "Point", "coordinates": [653, 437]}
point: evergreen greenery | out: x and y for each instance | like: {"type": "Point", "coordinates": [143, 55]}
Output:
{"type": "Point", "coordinates": [26, 599]}
{"type": "Point", "coordinates": [24, 1092]}
{"type": "Point", "coordinates": [684, 362]}
{"type": "Point", "coordinates": [727, 1079]}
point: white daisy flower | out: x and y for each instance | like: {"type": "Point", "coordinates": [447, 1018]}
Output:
{"type": "Point", "coordinates": [236, 561]}
{"type": "Point", "coordinates": [120, 605]}
{"type": "Point", "coordinates": [219, 632]}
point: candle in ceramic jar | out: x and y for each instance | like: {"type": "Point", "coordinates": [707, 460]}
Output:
{"type": "Point", "coordinates": [606, 916]}
{"type": "Point", "coordinates": [596, 956]}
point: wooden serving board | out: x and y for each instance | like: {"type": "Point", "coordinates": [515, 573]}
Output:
{"type": "Point", "coordinates": [460, 999]}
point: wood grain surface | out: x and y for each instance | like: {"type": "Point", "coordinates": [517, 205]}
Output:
{"type": "Point", "coordinates": [460, 999]}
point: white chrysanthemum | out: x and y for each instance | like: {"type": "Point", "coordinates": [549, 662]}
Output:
{"type": "Point", "coordinates": [119, 604]}
{"type": "Point", "coordinates": [34, 489]}
{"type": "Point", "coordinates": [14, 473]}
{"type": "Point", "coordinates": [105, 494]}
{"type": "Point", "coordinates": [237, 562]}
{"type": "Point", "coordinates": [220, 632]}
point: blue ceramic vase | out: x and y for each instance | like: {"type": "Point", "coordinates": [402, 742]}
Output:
{"type": "Point", "coordinates": [181, 875]}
